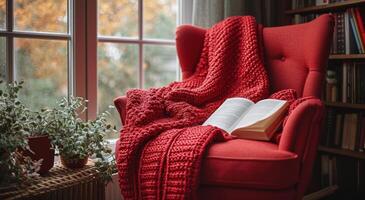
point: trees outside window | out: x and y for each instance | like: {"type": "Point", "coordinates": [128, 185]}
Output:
{"type": "Point", "coordinates": [34, 47]}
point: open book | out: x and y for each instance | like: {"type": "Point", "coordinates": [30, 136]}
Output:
{"type": "Point", "coordinates": [243, 118]}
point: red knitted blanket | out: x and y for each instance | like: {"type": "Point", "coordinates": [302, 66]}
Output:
{"type": "Point", "coordinates": [162, 142]}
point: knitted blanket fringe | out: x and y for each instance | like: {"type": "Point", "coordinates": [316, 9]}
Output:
{"type": "Point", "coordinates": [162, 142]}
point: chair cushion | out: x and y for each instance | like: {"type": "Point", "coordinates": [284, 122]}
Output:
{"type": "Point", "coordinates": [249, 164]}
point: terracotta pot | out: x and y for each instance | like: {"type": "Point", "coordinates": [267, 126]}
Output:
{"type": "Point", "coordinates": [41, 149]}
{"type": "Point", "coordinates": [74, 163]}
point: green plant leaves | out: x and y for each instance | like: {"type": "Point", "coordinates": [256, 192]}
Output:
{"type": "Point", "coordinates": [74, 137]}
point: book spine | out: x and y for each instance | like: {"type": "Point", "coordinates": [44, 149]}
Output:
{"type": "Point", "coordinates": [362, 134]}
{"type": "Point", "coordinates": [345, 132]}
{"type": "Point", "coordinates": [334, 37]}
{"type": "Point", "coordinates": [354, 32]}
{"type": "Point", "coordinates": [338, 132]}
{"type": "Point", "coordinates": [329, 136]}
{"type": "Point", "coordinates": [344, 83]}
{"type": "Point", "coordinates": [358, 132]}
{"type": "Point", "coordinates": [353, 83]}
{"type": "Point", "coordinates": [347, 33]}
{"type": "Point", "coordinates": [322, 2]}
{"type": "Point", "coordinates": [360, 24]}
{"type": "Point", "coordinates": [358, 31]}
{"type": "Point", "coordinates": [348, 83]}
{"type": "Point", "coordinates": [362, 82]}
{"type": "Point", "coordinates": [340, 33]}
{"type": "Point", "coordinates": [325, 170]}
{"type": "Point", "coordinates": [353, 131]}
{"type": "Point", "coordinates": [331, 86]}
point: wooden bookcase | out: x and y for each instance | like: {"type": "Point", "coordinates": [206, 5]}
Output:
{"type": "Point", "coordinates": [342, 157]}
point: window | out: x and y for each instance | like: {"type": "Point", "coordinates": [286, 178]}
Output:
{"type": "Point", "coordinates": [35, 41]}
{"type": "Point", "coordinates": [136, 47]}
{"type": "Point", "coordinates": [96, 49]}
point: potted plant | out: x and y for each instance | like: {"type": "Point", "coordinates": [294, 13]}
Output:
{"type": "Point", "coordinates": [38, 140]}
{"type": "Point", "coordinates": [14, 166]}
{"type": "Point", "coordinates": [77, 140]}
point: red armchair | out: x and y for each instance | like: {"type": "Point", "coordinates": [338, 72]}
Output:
{"type": "Point", "coordinates": [295, 58]}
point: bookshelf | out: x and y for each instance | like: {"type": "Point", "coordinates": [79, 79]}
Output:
{"type": "Point", "coordinates": [342, 152]}
{"type": "Point", "coordinates": [346, 57]}
{"type": "Point", "coordinates": [338, 6]}
{"type": "Point", "coordinates": [345, 105]}
{"type": "Point", "coordinates": [340, 164]}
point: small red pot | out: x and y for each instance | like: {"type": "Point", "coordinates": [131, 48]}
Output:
{"type": "Point", "coordinates": [73, 163]}
{"type": "Point", "coordinates": [41, 149]}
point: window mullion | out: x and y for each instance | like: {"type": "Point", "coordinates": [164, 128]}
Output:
{"type": "Point", "coordinates": [140, 45]}
{"type": "Point", "coordinates": [113, 39]}
{"type": "Point", "coordinates": [91, 57]}
{"type": "Point", "coordinates": [79, 43]}
{"type": "Point", "coordinates": [10, 42]}
{"type": "Point", "coordinates": [70, 49]}
{"type": "Point", "coordinates": [37, 35]}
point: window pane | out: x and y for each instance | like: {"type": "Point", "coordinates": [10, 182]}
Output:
{"type": "Point", "coordinates": [40, 15]}
{"type": "Point", "coordinates": [2, 14]}
{"type": "Point", "coordinates": [117, 71]}
{"type": "Point", "coordinates": [118, 18]}
{"type": "Point", "coordinates": [159, 18]}
{"type": "Point", "coordinates": [160, 65]}
{"type": "Point", "coordinates": [42, 64]}
{"type": "Point", "coordinates": [2, 58]}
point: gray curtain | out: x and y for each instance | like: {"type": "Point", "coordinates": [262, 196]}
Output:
{"type": "Point", "coordinates": [205, 13]}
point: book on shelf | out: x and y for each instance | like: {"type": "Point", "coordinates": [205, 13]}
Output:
{"type": "Point", "coordinates": [345, 130]}
{"type": "Point", "coordinates": [338, 131]}
{"type": "Point", "coordinates": [348, 37]}
{"type": "Point", "coordinates": [349, 131]}
{"type": "Point", "coordinates": [356, 31]}
{"type": "Point", "coordinates": [243, 118]}
{"type": "Point", "coordinates": [360, 20]}
{"type": "Point", "coordinates": [322, 2]}
{"type": "Point", "coordinates": [328, 170]}
{"type": "Point", "coordinates": [345, 82]}
{"type": "Point", "coordinates": [331, 86]}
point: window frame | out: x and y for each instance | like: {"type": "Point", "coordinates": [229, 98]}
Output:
{"type": "Point", "coordinates": [10, 34]}
{"type": "Point", "coordinates": [140, 41]}
{"type": "Point", "coordinates": [82, 34]}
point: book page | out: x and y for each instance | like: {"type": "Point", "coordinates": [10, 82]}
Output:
{"type": "Point", "coordinates": [228, 113]}
{"type": "Point", "coordinates": [260, 111]}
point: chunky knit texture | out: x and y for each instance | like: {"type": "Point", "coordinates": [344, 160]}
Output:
{"type": "Point", "coordinates": [162, 143]}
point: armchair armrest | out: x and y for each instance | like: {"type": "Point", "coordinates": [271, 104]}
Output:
{"type": "Point", "coordinates": [301, 135]}
{"type": "Point", "coordinates": [302, 129]}
{"type": "Point", "coordinates": [121, 103]}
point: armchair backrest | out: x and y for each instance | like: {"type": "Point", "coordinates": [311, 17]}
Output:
{"type": "Point", "coordinates": [295, 55]}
